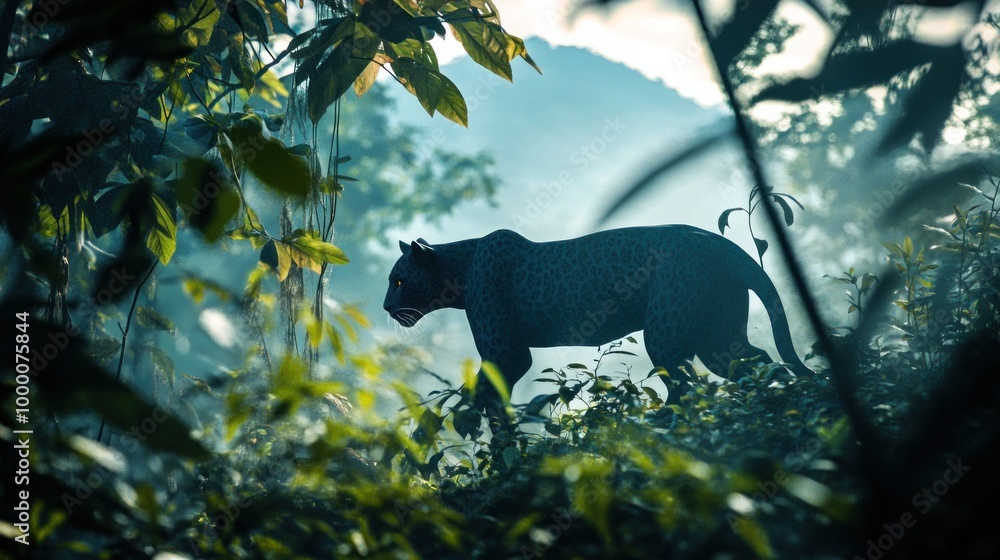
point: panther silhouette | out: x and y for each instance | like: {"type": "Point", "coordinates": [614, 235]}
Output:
{"type": "Point", "coordinates": [686, 288]}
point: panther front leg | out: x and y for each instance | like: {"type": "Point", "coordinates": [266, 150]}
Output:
{"type": "Point", "coordinates": [513, 362]}
{"type": "Point", "coordinates": [499, 346]}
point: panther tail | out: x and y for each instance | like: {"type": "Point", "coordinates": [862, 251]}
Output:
{"type": "Point", "coordinates": [761, 285]}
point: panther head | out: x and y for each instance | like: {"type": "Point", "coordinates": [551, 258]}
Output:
{"type": "Point", "coordinates": [414, 284]}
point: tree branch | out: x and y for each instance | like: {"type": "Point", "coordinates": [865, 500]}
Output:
{"type": "Point", "coordinates": [839, 366]}
{"type": "Point", "coordinates": [128, 325]}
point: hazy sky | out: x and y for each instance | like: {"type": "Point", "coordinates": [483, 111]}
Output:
{"type": "Point", "coordinates": [659, 39]}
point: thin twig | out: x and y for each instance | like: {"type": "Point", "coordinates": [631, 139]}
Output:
{"type": "Point", "coordinates": [128, 325]}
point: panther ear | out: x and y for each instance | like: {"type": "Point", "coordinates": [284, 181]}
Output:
{"type": "Point", "coordinates": [421, 252]}
{"type": "Point", "coordinates": [403, 247]}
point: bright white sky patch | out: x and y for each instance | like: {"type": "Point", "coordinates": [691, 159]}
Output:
{"type": "Point", "coordinates": [661, 40]}
{"type": "Point", "coordinates": [218, 326]}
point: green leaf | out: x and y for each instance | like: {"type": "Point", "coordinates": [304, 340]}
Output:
{"type": "Point", "coordinates": [429, 425]}
{"type": "Point", "coordinates": [653, 395]}
{"type": "Point", "coordinates": [162, 236]}
{"type": "Point", "coordinates": [240, 64]}
{"type": "Point", "coordinates": [104, 348]}
{"type": "Point", "coordinates": [196, 287]}
{"type": "Point", "coordinates": [367, 78]}
{"type": "Point", "coordinates": [420, 51]}
{"type": "Point", "coordinates": [278, 169]}
{"type": "Point", "coordinates": [162, 363]}
{"type": "Point", "coordinates": [433, 89]}
{"type": "Point", "coordinates": [469, 377]}
{"type": "Point", "coordinates": [496, 379]}
{"type": "Point", "coordinates": [592, 495]}
{"type": "Point", "coordinates": [49, 226]}
{"type": "Point", "coordinates": [359, 317]}
{"type": "Point", "coordinates": [867, 280]}
{"type": "Point", "coordinates": [893, 248]}
{"type": "Point", "coordinates": [239, 412]}
{"type": "Point", "coordinates": [310, 244]}
{"type": "Point", "coordinates": [567, 394]}
{"type": "Point", "coordinates": [313, 326]}
{"type": "Point", "coordinates": [786, 209]}
{"type": "Point", "coordinates": [754, 535]}
{"type": "Point", "coordinates": [335, 343]}
{"type": "Point", "coordinates": [792, 198]}
{"type": "Point", "coordinates": [761, 246]}
{"type": "Point", "coordinates": [467, 421]}
{"type": "Point", "coordinates": [147, 503]}
{"type": "Point", "coordinates": [206, 198]}
{"type": "Point", "coordinates": [337, 73]}
{"type": "Point", "coordinates": [724, 219]}
{"type": "Point", "coordinates": [152, 319]}
{"type": "Point", "coordinates": [535, 406]}
{"type": "Point", "coordinates": [201, 23]}
{"type": "Point", "coordinates": [333, 32]}
{"type": "Point", "coordinates": [103, 213]}
{"type": "Point", "coordinates": [284, 256]}
{"type": "Point", "coordinates": [486, 43]}
{"type": "Point", "coordinates": [515, 47]}
{"type": "Point", "coordinates": [421, 81]}
{"type": "Point", "coordinates": [95, 452]}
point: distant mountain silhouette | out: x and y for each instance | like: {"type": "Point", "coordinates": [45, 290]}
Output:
{"type": "Point", "coordinates": [593, 123]}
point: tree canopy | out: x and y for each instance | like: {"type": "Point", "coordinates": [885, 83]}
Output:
{"type": "Point", "coordinates": [137, 133]}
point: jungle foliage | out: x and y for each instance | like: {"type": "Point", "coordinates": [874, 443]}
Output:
{"type": "Point", "coordinates": [126, 123]}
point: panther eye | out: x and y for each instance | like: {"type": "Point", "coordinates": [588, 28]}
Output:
{"type": "Point", "coordinates": [399, 283]}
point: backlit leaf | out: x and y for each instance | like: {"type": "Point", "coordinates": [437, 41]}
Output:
{"type": "Point", "coordinates": [278, 169]}
{"type": "Point", "coordinates": [433, 89]}
{"type": "Point", "coordinates": [162, 237]}
{"type": "Point", "coordinates": [309, 250]}
{"type": "Point", "coordinates": [485, 42]}
{"type": "Point", "coordinates": [337, 73]}
{"type": "Point", "coordinates": [152, 319]}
